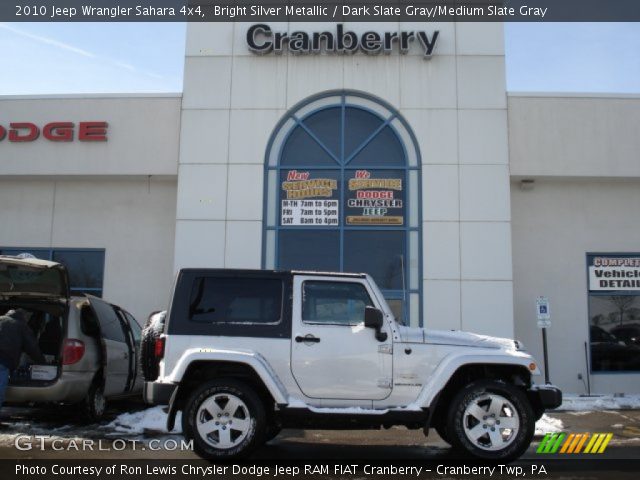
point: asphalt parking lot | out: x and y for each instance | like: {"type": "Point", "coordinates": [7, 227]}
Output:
{"type": "Point", "coordinates": [43, 428]}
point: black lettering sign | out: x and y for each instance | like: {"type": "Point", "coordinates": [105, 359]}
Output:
{"type": "Point", "coordinates": [262, 39]}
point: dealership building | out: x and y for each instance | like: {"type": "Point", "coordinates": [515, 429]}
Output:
{"type": "Point", "coordinates": [388, 148]}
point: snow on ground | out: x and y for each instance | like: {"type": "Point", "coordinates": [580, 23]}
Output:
{"type": "Point", "coordinates": [547, 424]}
{"type": "Point", "coordinates": [598, 403]}
{"type": "Point", "coordinates": [150, 420]}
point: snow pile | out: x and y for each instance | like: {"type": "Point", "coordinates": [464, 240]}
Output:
{"type": "Point", "coordinates": [547, 424]}
{"type": "Point", "coordinates": [152, 419]}
{"type": "Point", "coordinates": [604, 402]}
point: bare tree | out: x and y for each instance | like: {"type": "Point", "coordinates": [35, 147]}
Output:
{"type": "Point", "coordinates": [622, 303]}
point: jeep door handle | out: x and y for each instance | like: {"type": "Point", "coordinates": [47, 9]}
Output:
{"type": "Point", "coordinates": [307, 339]}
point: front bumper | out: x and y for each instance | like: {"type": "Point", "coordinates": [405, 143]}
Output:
{"type": "Point", "coordinates": [546, 396]}
{"type": "Point", "coordinates": [156, 393]}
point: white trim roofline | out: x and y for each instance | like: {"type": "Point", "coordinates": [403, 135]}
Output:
{"type": "Point", "coordinates": [91, 96]}
{"type": "Point", "coordinates": [574, 95]}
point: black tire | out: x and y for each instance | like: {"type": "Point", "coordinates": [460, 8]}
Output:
{"type": "Point", "coordinates": [94, 405]}
{"type": "Point", "coordinates": [509, 445]}
{"type": "Point", "coordinates": [441, 429]}
{"type": "Point", "coordinates": [272, 432]}
{"type": "Point", "coordinates": [148, 360]}
{"type": "Point", "coordinates": [250, 413]}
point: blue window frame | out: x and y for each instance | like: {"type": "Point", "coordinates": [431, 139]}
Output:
{"type": "Point", "coordinates": [342, 193]}
{"type": "Point", "coordinates": [85, 266]}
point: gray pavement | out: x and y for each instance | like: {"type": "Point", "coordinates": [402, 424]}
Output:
{"type": "Point", "coordinates": [62, 427]}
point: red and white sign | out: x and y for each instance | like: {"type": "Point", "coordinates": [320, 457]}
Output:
{"type": "Point", "coordinates": [21, 132]}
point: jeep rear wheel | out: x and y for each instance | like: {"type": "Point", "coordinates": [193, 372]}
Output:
{"type": "Point", "coordinates": [491, 420]}
{"type": "Point", "coordinates": [225, 419]}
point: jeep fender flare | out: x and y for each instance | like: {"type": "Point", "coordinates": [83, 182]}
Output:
{"type": "Point", "coordinates": [253, 360]}
{"type": "Point", "coordinates": [452, 362]}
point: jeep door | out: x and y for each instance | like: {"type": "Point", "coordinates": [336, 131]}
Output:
{"type": "Point", "coordinates": [116, 349]}
{"type": "Point", "coordinates": [333, 355]}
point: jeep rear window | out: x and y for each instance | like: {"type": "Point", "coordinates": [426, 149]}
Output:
{"type": "Point", "coordinates": [236, 300]}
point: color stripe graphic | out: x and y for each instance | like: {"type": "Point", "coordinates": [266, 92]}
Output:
{"type": "Point", "coordinates": [574, 442]}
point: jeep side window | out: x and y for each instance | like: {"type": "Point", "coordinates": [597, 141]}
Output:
{"type": "Point", "coordinates": [336, 303]}
{"type": "Point", "coordinates": [236, 300]}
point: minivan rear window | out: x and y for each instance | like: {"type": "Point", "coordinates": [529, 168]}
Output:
{"type": "Point", "coordinates": [33, 280]}
{"type": "Point", "coordinates": [236, 300]}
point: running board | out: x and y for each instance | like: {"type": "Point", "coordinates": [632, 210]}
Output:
{"type": "Point", "coordinates": [350, 418]}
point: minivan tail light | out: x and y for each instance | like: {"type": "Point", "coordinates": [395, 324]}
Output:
{"type": "Point", "coordinates": [158, 347]}
{"type": "Point", "coordinates": [73, 351]}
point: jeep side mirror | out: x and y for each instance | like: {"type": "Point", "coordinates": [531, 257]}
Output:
{"type": "Point", "coordinates": [373, 319]}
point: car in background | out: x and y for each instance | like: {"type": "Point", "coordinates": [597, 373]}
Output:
{"type": "Point", "coordinates": [91, 346]}
{"type": "Point", "coordinates": [629, 333]}
{"type": "Point", "coordinates": [609, 353]}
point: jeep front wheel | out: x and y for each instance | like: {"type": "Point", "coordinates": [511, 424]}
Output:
{"type": "Point", "coordinates": [491, 420]}
{"type": "Point", "coordinates": [225, 419]}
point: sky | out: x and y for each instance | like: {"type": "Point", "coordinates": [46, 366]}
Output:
{"type": "Point", "coordinates": [50, 58]}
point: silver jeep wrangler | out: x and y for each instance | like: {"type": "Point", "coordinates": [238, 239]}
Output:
{"type": "Point", "coordinates": [245, 353]}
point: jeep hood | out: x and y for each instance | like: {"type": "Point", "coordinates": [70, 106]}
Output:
{"type": "Point", "coordinates": [32, 278]}
{"type": "Point", "coordinates": [454, 338]}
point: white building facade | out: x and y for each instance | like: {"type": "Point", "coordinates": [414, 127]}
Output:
{"type": "Point", "coordinates": [405, 158]}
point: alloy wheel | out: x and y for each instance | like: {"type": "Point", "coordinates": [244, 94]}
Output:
{"type": "Point", "coordinates": [491, 422]}
{"type": "Point", "coordinates": [223, 421]}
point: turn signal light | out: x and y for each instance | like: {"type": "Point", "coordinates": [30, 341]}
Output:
{"type": "Point", "coordinates": [73, 351]}
{"type": "Point", "coordinates": [532, 366]}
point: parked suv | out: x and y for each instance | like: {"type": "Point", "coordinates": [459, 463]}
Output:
{"type": "Point", "coordinates": [91, 346]}
{"type": "Point", "coordinates": [246, 353]}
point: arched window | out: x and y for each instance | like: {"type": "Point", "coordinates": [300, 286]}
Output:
{"type": "Point", "coordinates": [342, 190]}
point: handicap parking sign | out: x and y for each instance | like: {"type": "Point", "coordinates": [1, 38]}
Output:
{"type": "Point", "coordinates": [542, 312]}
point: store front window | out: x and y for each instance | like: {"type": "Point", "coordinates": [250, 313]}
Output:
{"type": "Point", "coordinates": [614, 312]}
{"type": "Point", "coordinates": [85, 267]}
{"type": "Point", "coordinates": [343, 194]}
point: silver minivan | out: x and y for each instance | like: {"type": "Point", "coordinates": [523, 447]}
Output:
{"type": "Point", "coordinates": [91, 346]}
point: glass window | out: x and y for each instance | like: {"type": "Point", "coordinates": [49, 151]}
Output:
{"type": "Point", "coordinates": [236, 300]}
{"type": "Point", "coordinates": [378, 253]}
{"type": "Point", "coordinates": [614, 312]}
{"type": "Point", "coordinates": [615, 332]}
{"type": "Point", "coordinates": [301, 149]}
{"type": "Point", "coordinates": [336, 303]}
{"type": "Point", "coordinates": [110, 323]}
{"type": "Point", "coordinates": [85, 268]}
{"type": "Point", "coordinates": [359, 126]}
{"type": "Point", "coordinates": [317, 250]}
{"type": "Point", "coordinates": [344, 179]}
{"type": "Point", "coordinates": [135, 327]}
{"type": "Point", "coordinates": [384, 148]}
{"type": "Point", "coordinates": [324, 126]}
{"type": "Point", "coordinates": [41, 253]}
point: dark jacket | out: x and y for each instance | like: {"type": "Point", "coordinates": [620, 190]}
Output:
{"type": "Point", "coordinates": [16, 337]}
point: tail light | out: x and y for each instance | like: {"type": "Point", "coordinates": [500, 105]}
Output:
{"type": "Point", "coordinates": [158, 347]}
{"type": "Point", "coordinates": [72, 352]}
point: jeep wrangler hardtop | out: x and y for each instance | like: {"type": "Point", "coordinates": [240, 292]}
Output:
{"type": "Point", "coordinates": [245, 353]}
